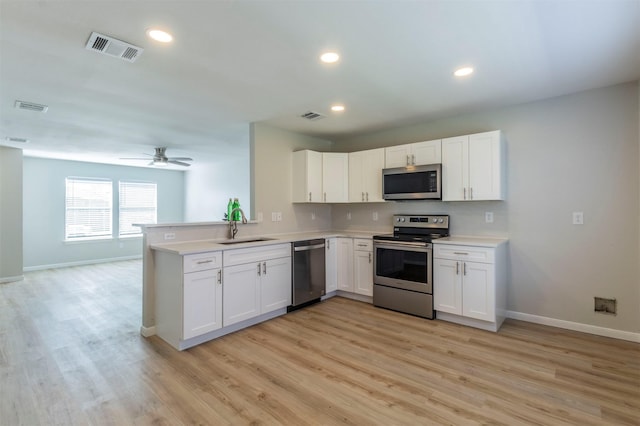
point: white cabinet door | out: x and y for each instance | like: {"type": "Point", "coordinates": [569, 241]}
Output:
{"type": "Point", "coordinates": [335, 177]}
{"type": "Point", "coordinates": [363, 272]}
{"type": "Point", "coordinates": [455, 168]}
{"type": "Point", "coordinates": [429, 152]}
{"type": "Point", "coordinates": [397, 156]}
{"type": "Point", "coordinates": [365, 176]}
{"type": "Point", "coordinates": [485, 166]}
{"type": "Point", "coordinates": [202, 303]}
{"type": "Point", "coordinates": [331, 265]}
{"type": "Point", "coordinates": [478, 291]}
{"type": "Point", "coordinates": [275, 284]}
{"type": "Point", "coordinates": [345, 264]}
{"type": "Point", "coordinates": [241, 292]}
{"type": "Point", "coordinates": [447, 286]}
{"type": "Point", "coordinates": [307, 177]}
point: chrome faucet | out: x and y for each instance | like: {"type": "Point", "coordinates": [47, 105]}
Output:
{"type": "Point", "coordinates": [233, 225]}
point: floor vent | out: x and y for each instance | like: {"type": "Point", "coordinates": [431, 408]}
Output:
{"type": "Point", "coordinates": [113, 47]}
{"type": "Point", "coordinates": [312, 116]}
{"type": "Point", "coordinates": [31, 106]}
{"type": "Point", "coordinates": [604, 306]}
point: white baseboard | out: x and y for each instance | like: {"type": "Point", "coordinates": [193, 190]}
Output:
{"type": "Point", "coordinates": [11, 279]}
{"type": "Point", "coordinates": [80, 263]}
{"type": "Point", "coordinates": [576, 326]}
{"type": "Point", "coordinates": [147, 331]}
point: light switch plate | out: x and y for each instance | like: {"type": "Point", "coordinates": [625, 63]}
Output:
{"type": "Point", "coordinates": [274, 217]}
{"type": "Point", "coordinates": [313, 216]}
{"type": "Point", "coordinates": [169, 236]}
{"type": "Point", "coordinates": [279, 216]}
{"type": "Point", "coordinates": [578, 218]}
{"type": "Point", "coordinates": [348, 215]}
{"type": "Point", "coordinates": [260, 218]}
{"type": "Point", "coordinates": [375, 215]}
{"type": "Point", "coordinates": [488, 217]}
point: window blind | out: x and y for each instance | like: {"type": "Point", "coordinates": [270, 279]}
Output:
{"type": "Point", "coordinates": [138, 204]}
{"type": "Point", "coordinates": [88, 208]}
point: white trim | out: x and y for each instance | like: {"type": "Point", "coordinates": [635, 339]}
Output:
{"type": "Point", "coordinates": [147, 331]}
{"type": "Point", "coordinates": [576, 326]}
{"type": "Point", "coordinates": [79, 263]}
{"type": "Point", "coordinates": [11, 279]}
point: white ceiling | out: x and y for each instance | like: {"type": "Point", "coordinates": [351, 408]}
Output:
{"type": "Point", "coordinates": [237, 62]}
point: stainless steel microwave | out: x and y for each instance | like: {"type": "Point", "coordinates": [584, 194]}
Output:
{"type": "Point", "coordinates": [412, 183]}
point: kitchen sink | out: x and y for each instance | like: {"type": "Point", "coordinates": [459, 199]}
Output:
{"type": "Point", "coordinates": [246, 240]}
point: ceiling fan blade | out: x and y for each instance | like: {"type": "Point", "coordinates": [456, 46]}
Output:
{"type": "Point", "coordinates": [181, 158]}
{"type": "Point", "coordinates": [179, 163]}
{"type": "Point", "coordinates": [133, 158]}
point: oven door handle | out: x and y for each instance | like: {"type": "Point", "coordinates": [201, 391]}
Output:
{"type": "Point", "coordinates": [420, 247]}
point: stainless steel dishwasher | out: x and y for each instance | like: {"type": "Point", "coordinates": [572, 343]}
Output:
{"type": "Point", "coordinates": [308, 272]}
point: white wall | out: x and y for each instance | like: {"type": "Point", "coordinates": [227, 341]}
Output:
{"type": "Point", "coordinates": [10, 214]}
{"type": "Point", "coordinates": [213, 179]}
{"type": "Point", "coordinates": [44, 197]}
{"type": "Point", "coordinates": [572, 153]}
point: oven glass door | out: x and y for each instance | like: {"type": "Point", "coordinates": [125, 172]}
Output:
{"type": "Point", "coordinates": [403, 265]}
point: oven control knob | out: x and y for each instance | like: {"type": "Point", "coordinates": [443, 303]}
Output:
{"type": "Point", "coordinates": [440, 220]}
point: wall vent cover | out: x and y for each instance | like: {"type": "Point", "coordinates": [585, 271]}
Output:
{"type": "Point", "coordinates": [312, 116]}
{"type": "Point", "coordinates": [113, 47]}
{"type": "Point", "coordinates": [16, 140]}
{"type": "Point", "coordinates": [31, 106]}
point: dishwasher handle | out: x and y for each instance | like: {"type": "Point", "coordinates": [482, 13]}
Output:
{"type": "Point", "coordinates": [307, 248]}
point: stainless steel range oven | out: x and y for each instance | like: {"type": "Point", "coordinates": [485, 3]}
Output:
{"type": "Point", "coordinates": [403, 264]}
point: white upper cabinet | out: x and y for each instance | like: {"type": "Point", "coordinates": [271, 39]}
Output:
{"type": "Point", "coordinates": [307, 177]}
{"type": "Point", "coordinates": [335, 177]}
{"type": "Point", "coordinates": [365, 175]}
{"type": "Point", "coordinates": [414, 154]}
{"type": "Point", "coordinates": [472, 167]}
{"type": "Point", "coordinates": [320, 177]}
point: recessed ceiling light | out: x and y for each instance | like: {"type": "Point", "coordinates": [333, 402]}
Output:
{"type": "Point", "coordinates": [159, 35]}
{"type": "Point", "coordinates": [463, 72]}
{"type": "Point", "coordinates": [329, 57]}
{"type": "Point", "coordinates": [337, 108]}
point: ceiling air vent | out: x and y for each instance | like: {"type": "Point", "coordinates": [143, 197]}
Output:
{"type": "Point", "coordinates": [312, 116]}
{"type": "Point", "coordinates": [16, 140]}
{"type": "Point", "coordinates": [31, 106]}
{"type": "Point", "coordinates": [113, 47]}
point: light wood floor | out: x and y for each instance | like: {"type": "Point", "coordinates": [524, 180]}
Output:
{"type": "Point", "coordinates": [70, 353]}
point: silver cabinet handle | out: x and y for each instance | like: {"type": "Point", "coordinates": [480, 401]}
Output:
{"type": "Point", "coordinates": [363, 196]}
{"type": "Point", "coordinates": [465, 193]}
{"type": "Point", "coordinates": [470, 193]}
{"type": "Point", "coordinates": [369, 257]}
{"type": "Point", "coordinates": [264, 268]}
{"type": "Point", "coordinates": [220, 276]}
{"type": "Point", "coordinates": [202, 262]}
{"type": "Point", "coordinates": [328, 244]}
{"type": "Point", "coordinates": [413, 159]}
{"type": "Point", "coordinates": [408, 162]}
{"type": "Point", "coordinates": [464, 269]}
{"type": "Point", "coordinates": [309, 197]}
{"type": "Point", "coordinates": [367, 196]}
{"type": "Point", "coordinates": [457, 268]}
{"type": "Point", "coordinates": [325, 197]}
{"type": "Point", "coordinates": [461, 253]}
{"type": "Point", "coordinates": [259, 273]}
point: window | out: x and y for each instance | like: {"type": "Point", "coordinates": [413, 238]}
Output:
{"type": "Point", "coordinates": [138, 204]}
{"type": "Point", "coordinates": [88, 208]}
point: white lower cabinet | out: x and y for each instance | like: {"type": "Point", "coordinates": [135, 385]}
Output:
{"type": "Point", "coordinates": [188, 295]}
{"type": "Point", "coordinates": [363, 266]}
{"type": "Point", "coordinates": [331, 264]}
{"type": "Point", "coordinates": [469, 284]}
{"type": "Point", "coordinates": [256, 281]}
{"type": "Point", "coordinates": [345, 264]}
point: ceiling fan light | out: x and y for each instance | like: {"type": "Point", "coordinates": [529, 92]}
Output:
{"type": "Point", "coordinates": [160, 163]}
{"type": "Point", "coordinates": [463, 72]}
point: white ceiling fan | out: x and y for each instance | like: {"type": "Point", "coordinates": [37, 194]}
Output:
{"type": "Point", "coordinates": [160, 159]}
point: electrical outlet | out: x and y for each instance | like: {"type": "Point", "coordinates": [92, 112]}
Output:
{"type": "Point", "coordinates": [488, 217]}
{"type": "Point", "coordinates": [260, 218]}
{"type": "Point", "coordinates": [169, 236]}
{"type": "Point", "coordinates": [578, 218]}
{"type": "Point", "coordinates": [274, 217]}
{"type": "Point", "coordinates": [348, 215]}
{"type": "Point", "coordinates": [279, 216]}
{"type": "Point", "coordinates": [375, 216]}
{"type": "Point", "coordinates": [313, 216]}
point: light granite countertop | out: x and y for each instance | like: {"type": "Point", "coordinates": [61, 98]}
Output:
{"type": "Point", "coordinates": [464, 240]}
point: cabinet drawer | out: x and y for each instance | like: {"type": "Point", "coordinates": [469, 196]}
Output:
{"type": "Point", "coordinates": [470, 253]}
{"type": "Point", "coordinates": [363, 244]}
{"type": "Point", "coordinates": [256, 254]}
{"type": "Point", "coordinates": [202, 261]}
